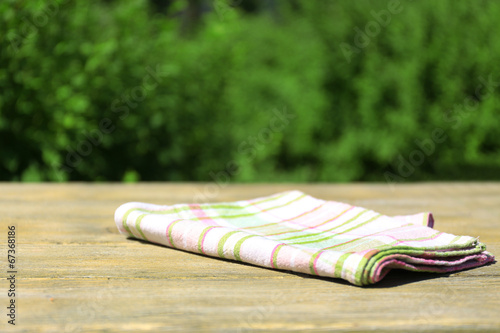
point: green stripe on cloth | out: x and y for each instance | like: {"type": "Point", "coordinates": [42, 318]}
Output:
{"type": "Point", "coordinates": [275, 255]}
{"type": "Point", "coordinates": [202, 238]}
{"type": "Point", "coordinates": [169, 233]}
{"type": "Point", "coordinates": [237, 247]}
{"type": "Point", "coordinates": [124, 222]}
{"type": "Point", "coordinates": [220, 247]}
{"type": "Point", "coordinates": [322, 232]}
{"type": "Point", "coordinates": [138, 226]}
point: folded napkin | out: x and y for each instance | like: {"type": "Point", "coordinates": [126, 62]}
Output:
{"type": "Point", "coordinates": [294, 231]}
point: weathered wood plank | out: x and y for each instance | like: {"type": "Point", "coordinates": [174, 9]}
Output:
{"type": "Point", "coordinates": [76, 273]}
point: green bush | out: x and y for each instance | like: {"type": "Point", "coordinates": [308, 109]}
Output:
{"type": "Point", "coordinates": [318, 91]}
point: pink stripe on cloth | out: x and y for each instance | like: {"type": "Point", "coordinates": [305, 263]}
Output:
{"type": "Point", "coordinates": [274, 252]}
{"type": "Point", "coordinates": [197, 211]}
{"type": "Point", "coordinates": [203, 238]}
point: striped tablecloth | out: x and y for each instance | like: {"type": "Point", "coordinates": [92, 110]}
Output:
{"type": "Point", "coordinates": [296, 232]}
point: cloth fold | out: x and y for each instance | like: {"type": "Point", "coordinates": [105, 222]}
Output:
{"type": "Point", "coordinates": [297, 232]}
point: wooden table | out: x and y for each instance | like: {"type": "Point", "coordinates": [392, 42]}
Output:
{"type": "Point", "coordinates": [75, 272]}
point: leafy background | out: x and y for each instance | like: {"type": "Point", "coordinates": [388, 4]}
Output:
{"type": "Point", "coordinates": [361, 87]}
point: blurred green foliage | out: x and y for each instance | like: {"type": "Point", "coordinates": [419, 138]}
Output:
{"type": "Point", "coordinates": [304, 91]}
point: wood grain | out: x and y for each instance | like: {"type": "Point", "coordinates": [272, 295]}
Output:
{"type": "Point", "coordinates": [76, 273]}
